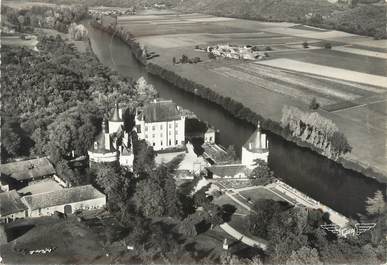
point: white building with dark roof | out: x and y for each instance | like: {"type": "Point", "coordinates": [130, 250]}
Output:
{"type": "Point", "coordinates": [65, 201]}
{"type": "Point", "coordinates": [256, 147]}
{"type": "Point", "coordinates": [11, 206]}
{"type": "Point", "coordinates": [161, 123]}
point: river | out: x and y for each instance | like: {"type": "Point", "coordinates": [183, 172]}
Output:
{"type": "Point", "coordinates": [328, 182]}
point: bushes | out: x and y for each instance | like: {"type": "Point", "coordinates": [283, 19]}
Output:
{"type": "Point", "coordinates": [328, 45]}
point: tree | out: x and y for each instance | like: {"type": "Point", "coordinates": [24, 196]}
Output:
{"type": "Point", "coordinates": [149, 198]}
{"type": "Point", "coordinates": [261, 174]}
{"type": "Point", "coordinates": [376, 205]}
{"type": "Point", "coordinates": [305, 44]}
{"type": "Point", "coordinates": [260, 218]}
{"type": "Point", "coordinates": [328, 45]}
{"type": "Point", "coordinates": [314, 104]}
{"type": "Point", "coordinates": [174, 60]}
{"type": "Point", "coordinates": [117, 184]}
{"type": "Point", "coordinates": [231, 153]}
{"type": "Point", "coordinates": [11, 140]}
{"type": "Point", "coordinates": [184, 58]}
{"type": "Point", "coordinates": [211, 56]}
{"type": "Point", "coordinates": [304, 256]}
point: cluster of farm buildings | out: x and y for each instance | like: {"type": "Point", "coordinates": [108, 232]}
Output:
{"type": "Point", "coordinates": [246, 52]}
{"type": "Point", "coordinates": [110, 11]}
{"type": "Point", "coordinates": [32, 188]}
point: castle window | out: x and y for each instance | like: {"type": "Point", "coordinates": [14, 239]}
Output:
{"type": "Point", "coordinates": [95, 145]}
{"type": "Point", "coordinates": [170, 142]}
{"type": "Point", "coordinates": [161, 127]}
{"type": "Point", "coordinates": [146, 128]}
{"type": "Point", "coordinates": [176, 142]}
{"type": "Point", "coordinates": [138, 128]}
{"type": "Point", "coordinates": [161, 135]}
{"type": "Point", "coordinates": [161, 143]}
{"type": "Point", "coordinates": [153, 136]}
{"type": "Point", "coordinates": [153, 128]}
{"type": "Point", "coordinates": [154, 144]}
{"type": "Point", "coordinates": [170, 125]}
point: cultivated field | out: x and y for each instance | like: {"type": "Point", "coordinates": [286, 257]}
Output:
{"type": "Point", "coordinates": [348, 81]}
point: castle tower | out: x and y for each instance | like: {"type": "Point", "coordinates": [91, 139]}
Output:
{"type": "Point", "coordinates": [115, 121]}
{"type": "Point", "coordinates": [102, 150]}
{"type": "Point", "coordinates": [256, 147]}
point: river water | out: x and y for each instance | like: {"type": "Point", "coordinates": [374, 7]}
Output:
{"type": "Point", "coordinates": [328, 182]}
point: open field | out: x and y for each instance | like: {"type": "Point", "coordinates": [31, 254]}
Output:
{"type": "Point", "coordinates": [349, 80]}
{"type": "Point", "coordinates": [331, 72]}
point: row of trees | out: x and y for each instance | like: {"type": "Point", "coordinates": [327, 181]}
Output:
{"type": "Point", "coordinates": [315, 129]}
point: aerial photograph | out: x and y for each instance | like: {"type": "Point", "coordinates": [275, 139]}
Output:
{"type": "Point", "coordinates": [208, 132]}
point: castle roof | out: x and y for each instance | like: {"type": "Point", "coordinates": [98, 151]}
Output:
{"type": "Point", "coordinates": [116, 114]}
{"type": "Point", "coordinates": [61, 197]}
{"type": "Point", "coordinates": [254, 143]}
{"type": "Point", "coordinates": [158, 111]}
{"type": "Point", "coordinates": [101, 141]}
{"type": "Point", "coordinates": [10, 203]}
{"type": "Point", "coordinates": [28, 169]}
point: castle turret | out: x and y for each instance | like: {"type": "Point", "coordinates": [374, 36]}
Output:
{"type": "Point", "coordinates": [115, 121]}
{"type": "Point", "coordinates": [102, 149]}
{"type": "Point", "coordinates": [256, 147]}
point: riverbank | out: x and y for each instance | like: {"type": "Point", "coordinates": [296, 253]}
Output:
{"type": "Point", "coordinates": [182, 80]}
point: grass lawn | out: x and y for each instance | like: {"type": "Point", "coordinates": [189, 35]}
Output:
{"type": "Point", "coordinates": [259, 194]}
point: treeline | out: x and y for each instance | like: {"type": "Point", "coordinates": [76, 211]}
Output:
{"type": "Point", "coordinates": [52, 17]}
{"type": "Point", "coordinates": [315, 129]}
{"type": "Point", "coordinates": [54, 99]}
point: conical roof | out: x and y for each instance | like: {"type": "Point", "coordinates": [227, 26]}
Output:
{"type": "Point", "coordinates": [100, 147]}
{"type": "Point", "coordinates": [116, 114]}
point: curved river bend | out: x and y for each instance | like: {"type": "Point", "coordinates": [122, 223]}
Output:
{"type": "Point", "coordinates": [326, 181]}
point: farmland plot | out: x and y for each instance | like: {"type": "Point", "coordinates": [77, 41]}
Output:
{"type": "Point", "coordinates": [327, 71]}
{"type": "Point", "coordinates": [270, 85]}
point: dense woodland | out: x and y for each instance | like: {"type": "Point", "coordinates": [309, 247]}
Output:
{"type": "Point", "coordinates": [52, 17]}
{"type": "Point", "coordinates": [54, 99]}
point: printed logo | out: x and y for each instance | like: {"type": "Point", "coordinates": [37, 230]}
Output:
{"type": "Point", "coordinates": [345, 231]}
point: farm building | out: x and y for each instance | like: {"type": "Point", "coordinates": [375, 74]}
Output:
{"type": "Point", "coordinates": [162, 124]}
{"type": "Point", "coordinates": [21, 173]}
{"type": "Point", "coordinates": [11, 206]}
{"type": "Point", "coordinates": [231, 171]}
{"type": "Point", "coordinates": [256, 147]}
{"type": "Point", "coordinates": [65, 201]}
